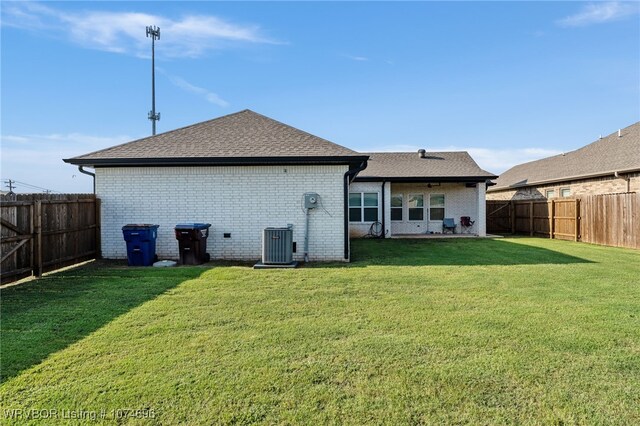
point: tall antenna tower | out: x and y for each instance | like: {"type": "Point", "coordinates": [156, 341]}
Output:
{"type": "Point", "coordinates": [154, 33]}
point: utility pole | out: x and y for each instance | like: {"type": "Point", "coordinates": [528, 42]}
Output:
{"type": "Point", "coordinates": [154, 33]}
{"type": "Point", "coordinates": [10, 185]}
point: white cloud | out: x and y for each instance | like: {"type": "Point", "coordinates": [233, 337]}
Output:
{"type": "Point", "coordinates": [124, 32]}
{"type": "Point", "coordinates": [37, 159]}
{"type": "Point", "coordinates": [598, 13]}
{"type": "Point", "coordinates": [11, 138]}
{"type": "Point", "coordinates": [209, 96]}
{"type": "Point", "coordinates": [492, 160]}
{"type": "Point", "coordinates": [356, 58]}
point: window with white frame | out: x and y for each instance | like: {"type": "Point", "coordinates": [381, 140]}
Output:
{"type": "Point", "coordinates": [436, 207]}
{"type": "Point", "coordinates": [416, 207]}
{"type": "Point", "coordinates": [551, 193]}
{"type": "Point", "coordinates": [396, 207]}
{"type": "Point", "coordinates": [565, 192]}
{"type": "Point", "coordinates": [363, 207]}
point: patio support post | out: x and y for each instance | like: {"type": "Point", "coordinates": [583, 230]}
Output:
{"type": "Point", "coordinates": [482, 209]}
{"type": "Point", "coordinates": [384, 207]}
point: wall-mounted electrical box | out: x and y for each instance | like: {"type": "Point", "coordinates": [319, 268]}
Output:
{"type": "Point", "coordinates": [311, 200]}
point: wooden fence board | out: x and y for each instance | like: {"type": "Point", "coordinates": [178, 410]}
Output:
{"type": "Point", "coordinates": [499, 216]}
{"type": "Point", "coordinates": [44, 232]}
{"type": "Point", "coordinates": [609, 219]}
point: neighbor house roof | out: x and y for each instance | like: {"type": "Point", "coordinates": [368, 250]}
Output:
{"type": "Point", "coordinates": [601, 158]}
{"type": "Point", "coordinates": [244, 137]}
{"type": "Point", "coordinates": [434, 167]}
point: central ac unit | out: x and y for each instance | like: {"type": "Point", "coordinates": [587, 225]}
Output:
{"type": "Point", "coordinates": [277, 246]}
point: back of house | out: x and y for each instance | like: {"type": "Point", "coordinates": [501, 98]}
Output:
{"type": "Point", "coordinates": [244, 172]}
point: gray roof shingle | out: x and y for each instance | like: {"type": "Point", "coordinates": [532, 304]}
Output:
{"type": "Point", "coordinates": [409, 165]}
{"type": "Point", "coordinates": [244, 134]}
{"type": "Point", "coordinates": [247, 137]}
{"type": "Point", "coordinates": [602, 157]}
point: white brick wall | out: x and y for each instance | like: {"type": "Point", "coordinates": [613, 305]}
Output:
{"type": "Point", "coordinates": [237, 200]}
{"type": "Point", "coordinates": [459, 201]}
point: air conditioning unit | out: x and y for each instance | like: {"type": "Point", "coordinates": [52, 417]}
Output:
{"type": "Point", "coordinates": [277, 246]}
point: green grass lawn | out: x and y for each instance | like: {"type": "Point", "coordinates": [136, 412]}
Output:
{"type": "Point", "coordinates": [469, 331]}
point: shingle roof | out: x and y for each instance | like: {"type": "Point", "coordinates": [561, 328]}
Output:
{"type": "Point", "coordinates": [602, 157]}
{"type": "Point", "coordinates": [247, 137]}
{"type": "Point", "coordinates": [437, 165]}
{"type": "Point", "coordinates": [242, 135]}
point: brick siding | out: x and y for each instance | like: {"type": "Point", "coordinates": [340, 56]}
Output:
{"type": "Point", "coordinates": [236, 200]}
{"type": "Point", "coordinates": [601, 185]}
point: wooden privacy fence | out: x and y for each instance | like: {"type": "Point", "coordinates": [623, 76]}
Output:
{"type": "Point", "coordinates": [553, 218]}
{"type": "Point", "coordinates": [43, 232]}
{"type": "Point", "coordinates": [610, 219]}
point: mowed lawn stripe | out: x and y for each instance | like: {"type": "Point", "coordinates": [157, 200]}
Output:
{"type": "Point", "coordinates": [413, 331]}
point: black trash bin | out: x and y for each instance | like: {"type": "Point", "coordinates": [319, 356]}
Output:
{"type": "Point", "coordinates": [192, 242]}
{"type": "Point", "coordinates": [141, 243]}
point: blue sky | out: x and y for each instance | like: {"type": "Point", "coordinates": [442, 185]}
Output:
{"type": "Point", "coordinates": [507, 81]}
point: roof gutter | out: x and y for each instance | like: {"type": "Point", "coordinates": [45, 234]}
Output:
{"type": "Point", "coordinates": [217, 161]}
{"type": "Point", "coordinates": [93, 175]}
{"type": "Point", "coordinates": [425, 179]}
{"type": "Point", "coordinates": [348, 177]}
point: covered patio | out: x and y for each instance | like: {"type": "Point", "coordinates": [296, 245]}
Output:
{"type": "Point", "coordinates": [412, 194]}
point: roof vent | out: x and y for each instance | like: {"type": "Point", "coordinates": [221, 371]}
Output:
{"type": "Point", "coordinates": [422, 153]}
{"type": "Point", "coordinates": [619, 133]}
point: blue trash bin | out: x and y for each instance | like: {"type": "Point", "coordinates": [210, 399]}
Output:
{"type": "Point", "coordinates": [141, 243]}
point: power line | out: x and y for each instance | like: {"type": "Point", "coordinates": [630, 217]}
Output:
{"type": "Point", "coordinates": [10, 183]}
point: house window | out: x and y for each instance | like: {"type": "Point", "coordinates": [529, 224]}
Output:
{"type": "Point", "coordinates": [363, 206]}
{"type": "Point", "coordinates": [416, 207]}
{"type": "Point", "coordinates": [396, 207]}
{"type": "Point", "coordinates": [565, 192]}
{"type": "Point", "coordinates": [551, 193]}
{"type": "Point", "coordinates": [436, 207]}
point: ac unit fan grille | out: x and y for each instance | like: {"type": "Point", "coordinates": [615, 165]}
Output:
{"type": "Point", "coordinates": [277, 246]}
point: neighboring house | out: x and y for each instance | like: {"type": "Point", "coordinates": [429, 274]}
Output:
{"type": "Point", "coordinates": [244, 172]}
{"type": "Point", "coordinates": [417, 191]}
{"type": "Point", "coordinates": [608, 165]}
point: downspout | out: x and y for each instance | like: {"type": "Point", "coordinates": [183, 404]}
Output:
{"type": "Point", "coordinates": [93, 175]}
{"type": "Point", "coordinates": [627, 179]}
{"type": "Point", "coordinates": [384, 210]}
{"type": "Point", "coordinates": [350, 173]}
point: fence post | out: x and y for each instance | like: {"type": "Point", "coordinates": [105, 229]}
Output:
{"type": "Point", "coordinates": [577, 235]}
{"type": "Point", "coordinates": [32, 242]}
{"type": "Point", "coordinates": [531, 218]}
{"type": "Point", "coordinates": [512, 208]}
{"type": "Point", "coordinates": [552, 219]}
{"type": "Point", "coordinates": [38, 230]}
{"type": "Point", "coordinates": [98, 225]}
